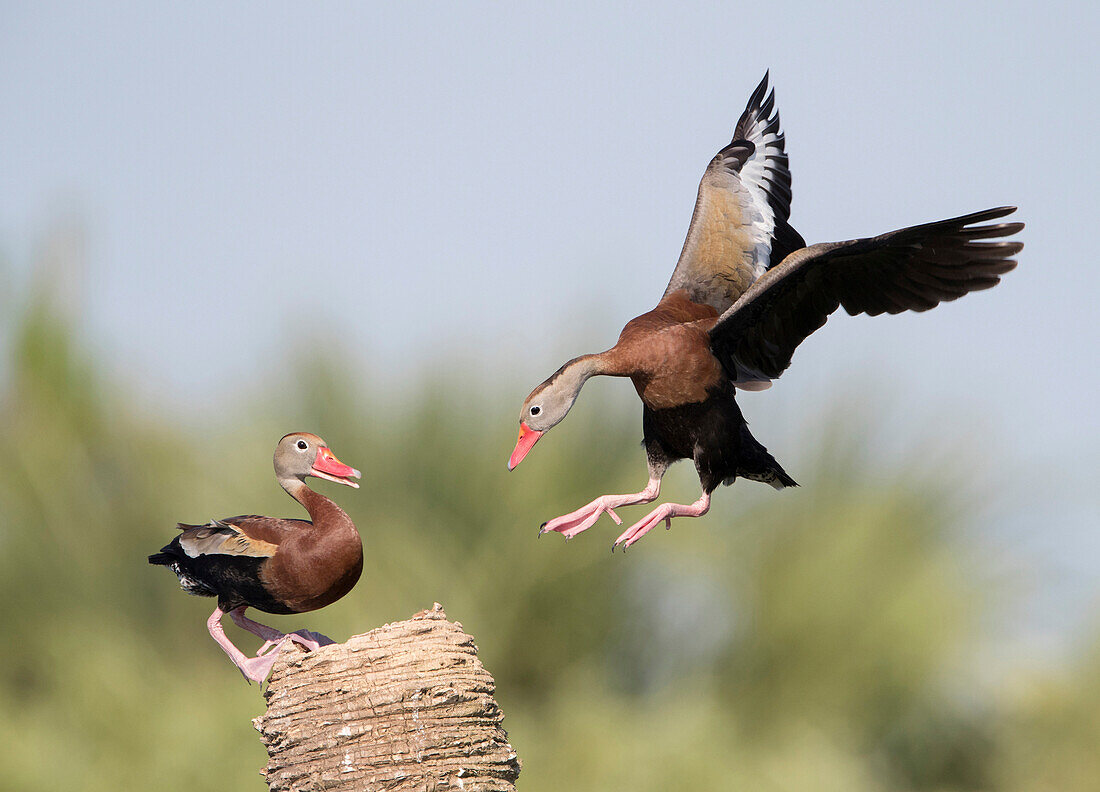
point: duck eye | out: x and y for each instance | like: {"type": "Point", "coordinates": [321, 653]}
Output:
{"type": "Point", "coordinates": [302, 445]}
{"type": "Point", "coordinates": [536, 410]}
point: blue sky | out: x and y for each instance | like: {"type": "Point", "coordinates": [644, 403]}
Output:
{"type": "Point", "coordinates": [503, 183]}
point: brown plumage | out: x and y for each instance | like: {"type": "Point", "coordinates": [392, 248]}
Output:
{"type": "Point", "coordinates": [276, 565]}
{"type": "Point", "coordinates": [666, 355]}
{"type": "Point", "coordinates": [745, 293]}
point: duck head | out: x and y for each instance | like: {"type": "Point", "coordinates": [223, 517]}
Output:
{"type": "Point", "coordinates": [302, 454]}
{"type": "Point", "coordinates": [549, 403]}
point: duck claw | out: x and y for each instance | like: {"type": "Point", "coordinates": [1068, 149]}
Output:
{"type": "Point", "coordinates": [579, 521]}
{"type": "Point", "coordinates": [257, 669]}
{"type": "Point", "coordinates": [640, 529]}
{"type": "Point", "coordinates": [310, 640]}
{"type": "Point", "coordinates": [663, 513]}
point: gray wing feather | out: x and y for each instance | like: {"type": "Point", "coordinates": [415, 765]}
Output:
{"type": "Point", "coordinates": [743, 204]}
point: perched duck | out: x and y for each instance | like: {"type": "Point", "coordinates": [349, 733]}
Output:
{"type": "Point", "coordinates": [745, 293]}
{"type": "Point", "coordinates": [272, 564]}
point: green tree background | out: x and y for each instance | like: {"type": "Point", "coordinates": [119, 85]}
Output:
{"type": "Point", "coordinates": [833, 638]}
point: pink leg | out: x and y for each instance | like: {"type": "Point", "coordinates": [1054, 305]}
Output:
{"type": "Point", "coordinates": [272, 637]}
{"type": "Point", "coordinates": [585, 517]}
{"type": "Point", "coordinates": [254, 668]}
{"type": "Point", "coordinates": [666, 511]}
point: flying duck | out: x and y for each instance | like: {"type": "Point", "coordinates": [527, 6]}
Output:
{"type": "Point", "coordinates": [746, 291]}
{"type": "Point", "coordinates": [273, 564]}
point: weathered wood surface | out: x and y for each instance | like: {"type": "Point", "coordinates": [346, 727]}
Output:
{"type": "Point", "coordinates": [405, 707]}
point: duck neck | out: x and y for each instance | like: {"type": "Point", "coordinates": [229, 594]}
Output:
{"type": "Point", "coordinates": [323, 512]}
{"type": "Point", "coordinates": [577, 371]}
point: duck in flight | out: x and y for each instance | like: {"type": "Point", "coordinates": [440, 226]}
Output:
{"type": "Point", "coordinates": [273, 564]}
{"type": "Point", "coordinates": [746, 291]}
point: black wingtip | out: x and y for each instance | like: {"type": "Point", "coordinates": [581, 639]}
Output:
{"type": "Point", "coordinates": [759, 107]}
{"type": "Point", "coordinates": [976, 217]}
{"type": "Point", "coordinates": [757, 95]}
{"type": "Point", "coordinates": [993, 214]}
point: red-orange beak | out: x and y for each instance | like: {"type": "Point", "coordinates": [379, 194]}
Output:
{"type": "Point", "coordinates": [327, 466]}
{"type": "Point", "coordinates": [527, 439]}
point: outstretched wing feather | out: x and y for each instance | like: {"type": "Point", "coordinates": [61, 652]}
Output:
{"type": "Point", "coordinates": [912, 269]}
{"type": "Point", "coordinates": [739, 224]}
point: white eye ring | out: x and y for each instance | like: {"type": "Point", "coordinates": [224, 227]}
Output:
{"type": "Point", "coordinates": [302, 445]}
{"type": "Point", "coordinates": [536, 410]}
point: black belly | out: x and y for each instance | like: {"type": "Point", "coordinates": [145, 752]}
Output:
{"type": "Point", "coordinates": [234, 580]}
{"type": "Point", "coordinates": [715, 435]}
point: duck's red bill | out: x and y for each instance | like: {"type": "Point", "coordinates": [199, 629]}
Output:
{"type": "Point", "coordinates": [327, 466]}
{"type": "Point", "coordinates": [527, 439]}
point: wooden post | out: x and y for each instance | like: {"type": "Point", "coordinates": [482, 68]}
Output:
{"type": "Point", "coordinates": [405, 707]}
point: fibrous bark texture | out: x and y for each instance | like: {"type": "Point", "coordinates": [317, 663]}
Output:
{"type": "Point", "coordinates": [405, 707]}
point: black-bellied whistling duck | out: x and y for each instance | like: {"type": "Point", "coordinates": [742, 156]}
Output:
{"type": "Point", "coordinates": [272, 564]}
{"type": "Point", "coordinates": [745, 293]}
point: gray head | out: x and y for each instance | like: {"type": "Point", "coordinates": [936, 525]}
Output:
{"type": "Point", "coordinates": [302, 454]}
{"type": "Point", "coordinates": [549, 403]}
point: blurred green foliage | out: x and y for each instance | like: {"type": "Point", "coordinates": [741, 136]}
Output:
{"type": "Point", "coordinates": [826, 638]}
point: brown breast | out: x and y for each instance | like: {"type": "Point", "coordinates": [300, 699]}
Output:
{"type": "Point", "coordinates": [666, 353]}
{"type": "Point", "coordinates": [314, 571]}
{"type": "Point", "coordinates": [318, 563]}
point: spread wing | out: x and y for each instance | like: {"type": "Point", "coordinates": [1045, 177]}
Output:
{"type": "Point", "coordinates": [739, 226]}
{"type": "Point", "coordinates": [248, 535]}
{"type": "Point", "coordinates": [913, 269]}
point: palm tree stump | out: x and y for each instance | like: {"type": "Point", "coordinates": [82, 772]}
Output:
{"type": "Point", "coordinates": [407, 706]}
